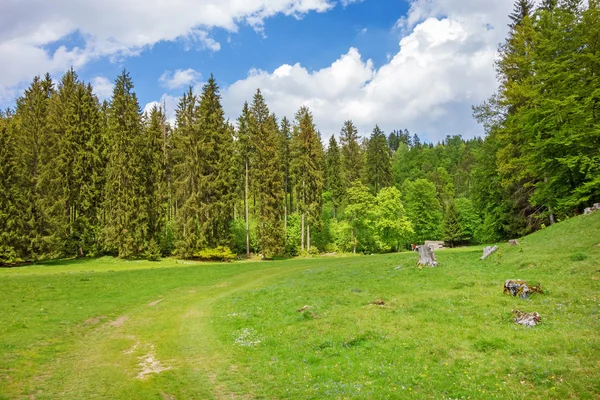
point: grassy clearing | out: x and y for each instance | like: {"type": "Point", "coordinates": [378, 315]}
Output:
{"type": "Point", "coordinates": [91, 329]}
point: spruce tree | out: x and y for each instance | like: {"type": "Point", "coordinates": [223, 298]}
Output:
{"type": "Point", "coordinates": [186, 170]}
{"type": "Point", "coordinates": [378, 162]}
{"type": "Point", "coordinates": [307, 160]}
{"type": "Point", "coordinates": [126, 204]}
{"type": "Point", "coordinates": [267, 179]}
{"type": "Point", "coordinates": [32, 143]}
{"type": "Point", "coordinates": [453, 233]}
{"type": "Point", "coordinates": [285, 138]}
{"type": "Point", "coordinates": [334, 180]}
{"type": "Point", "coordinates": [245, 150]}
{"type": "Point", "coordinates": [352, 156]}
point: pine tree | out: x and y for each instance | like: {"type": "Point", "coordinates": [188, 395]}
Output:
{"type": "Point", "coordinates": [521, 10]}
{"type": "Point", "coordinates": [285, 138]}
{"type": "Point", "coordinates": [352, 155]}
{"type": "Point", "coordinates": [245, 149]}
{"type": "Point", "coordinates": [186, 170]}
{"type": "Point", "coordinates": [378, 162]}
{"type": "Point", "coordinates": [334, 181]}
{"type": "Point", "coordinates": [267, 180]}
{"type": "Point", "coordinates": [126, 205]}
{"type": "Point", "coordinates": [32, 141]}
{"type": "Point", "coordinates": [12, 244]}
{"type": "Point", "coordinates": [453, 232]}
{"type": "Point", "coordinates": [216, 190]}
{"type": "Point", "coordinates": [307, 159]}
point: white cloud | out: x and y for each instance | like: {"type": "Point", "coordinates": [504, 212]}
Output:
{"type": "Point", "coordinates": [103, 87]}
{"type": "Point", "coordinates": [180, 78]}
{"type": "Point", "coordinates": [168, 104]}
{"type": "Point", "coordinates": [121, 28]}
{"type": "Point", "coordinates": [444, 65]}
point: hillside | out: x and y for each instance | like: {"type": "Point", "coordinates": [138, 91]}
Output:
{"type": "Point", "coordinates": [106, 328]}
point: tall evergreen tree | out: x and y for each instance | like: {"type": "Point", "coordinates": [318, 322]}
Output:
{"type": "Point", "coordinates": [352, 155]}
{"type": "Point", "coordinates": [334, 180]}
{"type": "Point", "coordinates": [246, 150]}
{"type": "Point", "coordinates": [267, 179]}
{"type": "Point", "coordinates": [285, 139]}
{"type": "Point", "coordinates": [378, 162]}
{"type": "Point", "coordinates": [307, 160]}
{"type": "Point", "coordinates": [126, 205]}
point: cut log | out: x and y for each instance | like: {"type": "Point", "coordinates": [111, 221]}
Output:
{"type": "Point", "coordinates": [427, 257]}
{"type": "Point", "coordinates": [527, 319]}
{"type": "Point", "coordinates": [588, 211]}
{"type": "Point", "coordinates": [487, 251]}
{"type": "Point", "coordinates": [513, 242]}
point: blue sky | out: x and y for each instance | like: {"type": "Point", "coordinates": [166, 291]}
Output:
{"type": "Point", "coordinates": [416, 64]}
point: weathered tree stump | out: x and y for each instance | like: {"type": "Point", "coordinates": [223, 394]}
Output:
{"type": "Point", "coordinates": [427, 257]}
{"type": "Point", "coordinates": [520, 288]}
{"type": "Point", "coordinates": [527, 319]}
{"type": "Point", "coordinates": [487, 251]}
{"type": "Point", "coordinates": [513, 242]}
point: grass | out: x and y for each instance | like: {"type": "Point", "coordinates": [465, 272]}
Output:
{"type": "Point", "coordinates": [233, 331]}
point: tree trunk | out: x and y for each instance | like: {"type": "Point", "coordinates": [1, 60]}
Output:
{"type": "Point", "coordinates": [308, 238]}
{"type": "Point", "coordinates": [427, 256]}
{"type": "Point", "coordinates": [353, 241]}
{"type": "Point", "coordinates": [247, 220]}
{"type": "Point", "coordinates": [302, 234]}
{"type": "Point", "coordinates": [488, 251]}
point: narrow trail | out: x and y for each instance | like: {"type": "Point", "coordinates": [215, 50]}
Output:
{"type": "Point", "coordinates": [152, 348]}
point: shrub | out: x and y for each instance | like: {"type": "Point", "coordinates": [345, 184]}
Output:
{"type": "Point", "coordinates": [220, 253]}
{"type": "Point", "coordinates": [153, 252]}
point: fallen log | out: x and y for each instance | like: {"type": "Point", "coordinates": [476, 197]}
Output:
{"type": "Point", "coordinates": [427, 256]}
{"type": "Point", "coordinates": [487, 251]}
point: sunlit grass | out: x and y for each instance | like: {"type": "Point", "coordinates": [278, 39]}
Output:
{"type": "Point", "coordinates": [222, 330]}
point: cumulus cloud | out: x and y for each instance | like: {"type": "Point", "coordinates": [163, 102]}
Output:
{"type": "Point", "coordinates": [103, 87]}
{"type": "Point", "coordinates": [444, 64]}
{"type": "Point", "coordinates": [117, 29]}
{"type": "Point", "coordinates": [179, 78]}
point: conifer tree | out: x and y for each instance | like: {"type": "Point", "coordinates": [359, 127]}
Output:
{"type": "Point", "coordinates": [307, 160]}
{"type": "Point", "coordinates": [334, 180]}
{"type": "Point", "coordinates": [32, 141]}
{"type": "Point", "coordinates": [285, 138]}
{"type": "Point", "coordinates": [186, 170]}
{"type": "Point", "coordinates": [453, 233]}
{"type": "Point", "coordinates": [12, 234]}
{"type": "Point", "coordinates": [267, 179]}
{"type": "Point", "coordinates": [378, 162]}
{"type": "Point", "coordinates": [352, 155]}
{"type": "Point", "coordinates": [245, 149]}
{"type": "Point", "coordinates": [126, 203]}
{"type": "Point", "coordinates": [216, 190]}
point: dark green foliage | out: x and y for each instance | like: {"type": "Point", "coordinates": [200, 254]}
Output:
{"type": "Point", "coordinates": [266, 177]}
{"type": "Point", "coordinates": [152, 252]}
{"type": "Point", "coordinates": [453, 233]}
{"type": "Point", "coordinates": [334, 179]}
{"type": "Point", "coordinates": [378, 163]}
{"type": "Point", "coordinates": [126, 205]}
{"type": "Point", "coordinates": [352, 154]}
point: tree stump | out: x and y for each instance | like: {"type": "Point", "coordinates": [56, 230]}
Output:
{"type": "Point", "coordinates": [526, 319]}
{"type": "Point", "coordinates": [516, 287]}
{"type": "Point", "coordinates": [487, 251]}
{"type": "Point", "coordinates": [427, 257]}
{"type": "Point", "coordinates": [513, 242]}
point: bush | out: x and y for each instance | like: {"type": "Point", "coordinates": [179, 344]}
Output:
{"type": "Point", "coordinates": [153, 252]}
{"type": "Point", "coordinates": [220, 253]}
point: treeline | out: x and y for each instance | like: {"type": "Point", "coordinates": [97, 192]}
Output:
{"type": "Point", "coordinates": [79, 177]}
{"type": "Point", "coordinates": [541, 158]}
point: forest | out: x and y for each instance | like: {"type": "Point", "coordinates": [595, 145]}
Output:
{"type": "Point", "coordinates": [84, 178]}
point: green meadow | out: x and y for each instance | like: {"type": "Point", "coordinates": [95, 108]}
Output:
{"type": "Point", "coordinates": [112, 329]}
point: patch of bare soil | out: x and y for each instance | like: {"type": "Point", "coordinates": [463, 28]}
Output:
{"type": "Point", "coordinates": [150, 365]}
{"type": "Point", "coordinates": [167, 396]}
{"type": "Point", "coordinates": [119, 321]}
{"type": "Point", "coordinates": [155, 303]}
{"type": "Point", "coordinates": [94, 321]}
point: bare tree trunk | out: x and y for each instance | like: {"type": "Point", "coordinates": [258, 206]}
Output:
{"type": "Point", "coordinates": [302, 234]}
{"type": "Point", "coordinates": [285, 212]}
{"type": "Point", "coordinates": [308, 237]}
{"type": "Point", "coordinates": [247, 219]}
{"type": "Point", "coordinates": [353, 241]}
